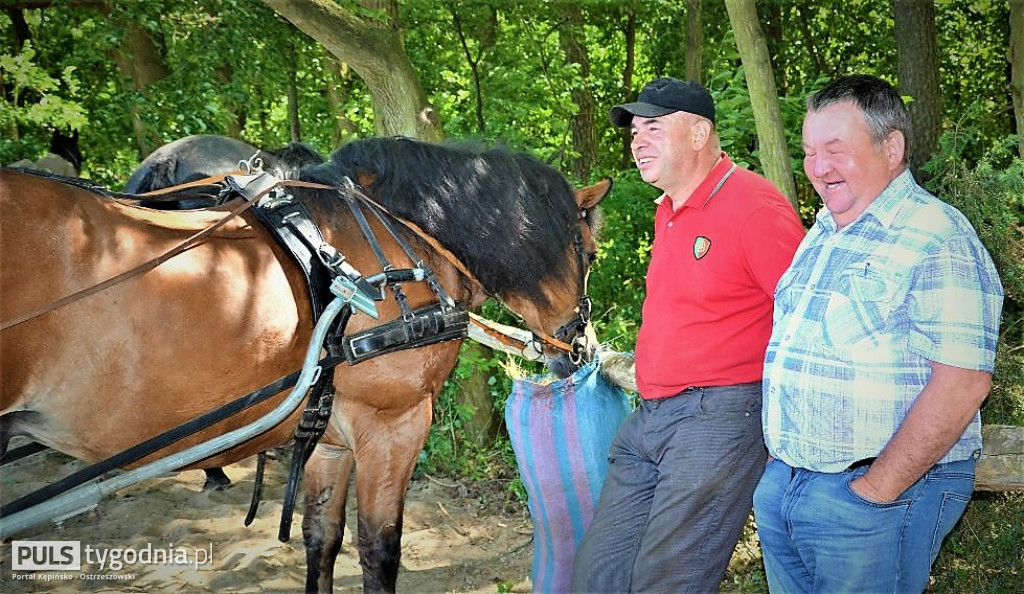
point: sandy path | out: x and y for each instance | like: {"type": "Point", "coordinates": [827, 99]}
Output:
{"type": "Point", "coordinates": [450, 543]}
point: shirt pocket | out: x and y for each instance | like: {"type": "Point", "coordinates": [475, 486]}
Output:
{"type": "Point", "coordinates": [858, 310]}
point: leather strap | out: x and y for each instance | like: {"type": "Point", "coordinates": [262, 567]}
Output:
{"type": "Point", "coordinates": [138, 270]}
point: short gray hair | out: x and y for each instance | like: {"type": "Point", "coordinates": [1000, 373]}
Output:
{"type": "Point", "coordinates": [882, 105]}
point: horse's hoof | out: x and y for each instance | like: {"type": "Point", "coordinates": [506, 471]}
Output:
{"type": "Point", "coordinates": [216, 480]}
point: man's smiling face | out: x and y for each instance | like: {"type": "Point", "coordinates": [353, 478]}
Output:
{"type": "Point", "coordinates": [846, 166]}
{"type": "Point", "coordinates": [661, 147]}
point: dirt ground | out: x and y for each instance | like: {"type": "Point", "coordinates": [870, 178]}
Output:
{"type": "Point", "coordinates": [458, 537]}
{"type": "Point", "coordinates": [453, 540]}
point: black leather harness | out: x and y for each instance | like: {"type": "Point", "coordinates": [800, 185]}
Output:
{"type": "Point", "coordinates": [291, 224]}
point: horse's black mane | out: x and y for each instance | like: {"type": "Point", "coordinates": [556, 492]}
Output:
{"type": "Point", "coordinates": [294, 156]}
{"type": "Point", "coordinates": [506, 215]}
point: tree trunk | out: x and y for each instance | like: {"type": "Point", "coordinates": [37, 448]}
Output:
{"type": "Point", "coordinates": [337, 93]}
{"type": "Point", "coordinates": [627, 83]}
{"type": "Point", "coordinates": [583, 126]}
{"type": "Point", "coordinates": [375, 51]}
{"type": "Point", "coordinates": [774, 30]}
{"type": "Point", "coordinates": [918, 67]}
{"type": "Point", "coordinates": [141, 63]}
{"type": "Point", "coordinates": [294, 128]}
{"type": "Point", "coordinates": [763, 97]}
{"type": "Point", "coordinates": [694, 40]}
{"type": "Point", "coordinates": [481, 427]}
{"type": "Point", "coordinates": [474, 69]}
{"type": "Point", "coordinates": [234, 125]}
{"type": "Point", "coordinates": [21, 34]}
{"type": "Point", "coordinates": [1016, 57]}
{"type": "Point", "coordinates": [19, 27]}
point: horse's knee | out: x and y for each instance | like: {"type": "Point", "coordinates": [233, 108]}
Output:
{"type": "Point", "coordinates": [379, 556]}
{"type": "Point", "coordinates": [319, 525]}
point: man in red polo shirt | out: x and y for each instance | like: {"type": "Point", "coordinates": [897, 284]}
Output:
{"type": "Point", "coordinates": [683, 467]}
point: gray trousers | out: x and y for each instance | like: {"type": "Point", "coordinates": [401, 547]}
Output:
{"type": "Point", "coordinates": [679, 489]}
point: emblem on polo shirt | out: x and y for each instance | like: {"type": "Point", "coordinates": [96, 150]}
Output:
{"type": "Point", "coordinates": [701, 245]}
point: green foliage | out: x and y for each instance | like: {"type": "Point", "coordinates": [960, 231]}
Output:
{"type": "Point", "coordinates": [617, 278]}
{"type": "Point", "coordinates": [973, 72]}
{"type": "Point", "coordinates": [228, 64]}
{"type": "Point", "coordinates": [31, 98]}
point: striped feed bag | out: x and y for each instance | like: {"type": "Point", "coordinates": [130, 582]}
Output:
{"type": "Point", "coordinates": [561, 432]}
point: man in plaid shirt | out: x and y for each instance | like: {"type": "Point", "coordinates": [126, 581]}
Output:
{"type": "Point", "coordinates": [882, 351]}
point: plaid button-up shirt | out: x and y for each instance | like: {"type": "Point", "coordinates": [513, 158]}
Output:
{"type": "Point", "coordinates": [859, 316]}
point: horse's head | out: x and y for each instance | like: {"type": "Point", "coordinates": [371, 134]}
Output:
{"type": "Point", "coordinates": [510, 219]}
{"type": "Point", "coordinates": [561, 324]}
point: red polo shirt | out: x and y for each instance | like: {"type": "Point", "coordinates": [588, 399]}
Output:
{"type": "Point", "coordinates": [714, 265]}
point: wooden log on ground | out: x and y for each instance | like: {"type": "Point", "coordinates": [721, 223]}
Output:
{"type": "Point", "coordinates": [1001, 467]}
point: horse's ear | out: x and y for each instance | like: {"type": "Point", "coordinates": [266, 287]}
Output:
{"type": "Point", "coordinates": [591, 196]}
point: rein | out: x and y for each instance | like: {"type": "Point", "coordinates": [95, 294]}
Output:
{"type": "Point", "coordinates": [581, 318]}
{"type": "Point", "coordinates": [138, 270]}
{"type": "Point", "coordinates": [151, 264]}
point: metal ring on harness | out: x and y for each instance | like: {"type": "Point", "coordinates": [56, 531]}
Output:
{"type": "Point", "coordinates": [252, 165]}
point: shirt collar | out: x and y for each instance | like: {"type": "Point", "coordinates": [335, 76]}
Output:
{"type": "Point", "coordinates": [883, 208]}
{"type": "Point", "coordinates": [703, 194]}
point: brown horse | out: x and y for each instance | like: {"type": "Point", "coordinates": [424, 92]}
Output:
{"type": "Point", "coordinates": [231, 314]}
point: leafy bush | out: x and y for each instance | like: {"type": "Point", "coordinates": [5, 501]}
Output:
{"type": "Point", "coordinates": [617, 278]}
{"type": "Point", "coordinates": [45, 108]}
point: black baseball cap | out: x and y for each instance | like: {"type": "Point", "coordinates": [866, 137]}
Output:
{"type": "Point", "coordinates": [663, 96]}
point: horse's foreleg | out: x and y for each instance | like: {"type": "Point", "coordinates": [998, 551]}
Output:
{"type": "Point", "coordinates": [323, 522]}
{"type": "Point", "coordinates": [380, 552]}
{"type": "Point", "coordinates": [384, 467]}
{"type": "Point", "coordinates": [216, 480]}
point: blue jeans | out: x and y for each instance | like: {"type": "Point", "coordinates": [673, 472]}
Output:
{"type": "Point", "coordinates": [817, 535]}
{"type": "Point", "coordinates": [681, 476]}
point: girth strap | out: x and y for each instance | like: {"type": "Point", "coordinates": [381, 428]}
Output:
{"type": "Point", "coordinates": [291, 224]}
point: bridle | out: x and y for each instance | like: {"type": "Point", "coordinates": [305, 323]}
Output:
{"type": "Point", "coordinates": [577, 345]}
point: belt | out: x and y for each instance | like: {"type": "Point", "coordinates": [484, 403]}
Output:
{"type": "Point", "coordinates": [861, 463]}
